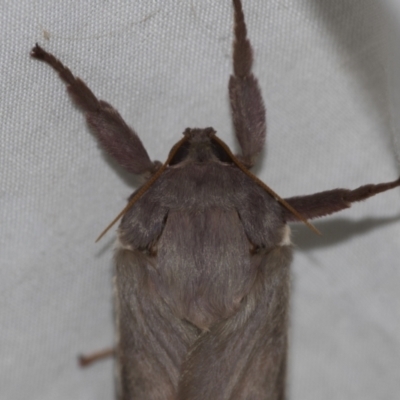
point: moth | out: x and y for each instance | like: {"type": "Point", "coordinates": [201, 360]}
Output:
{"type": "Point", "coordinates": [203, 251]}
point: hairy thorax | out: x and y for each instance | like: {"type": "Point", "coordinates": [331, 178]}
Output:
{"type": "Point", "coordinates": [203, 253]}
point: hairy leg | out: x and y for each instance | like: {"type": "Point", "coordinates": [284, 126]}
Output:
{"type": "Point", "coordinates": [248, 111]}
{"type": "Point", "coordinates": [117, 139]}
{"type": "Point", "coordinates": [328, 202]}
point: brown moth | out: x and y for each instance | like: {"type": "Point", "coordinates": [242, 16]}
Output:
{"type": "Point", "coordinates": [203, 252]}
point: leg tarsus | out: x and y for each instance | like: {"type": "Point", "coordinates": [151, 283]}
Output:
{"type": "Point", "coordinates": [81, 94]}
{"type": "Point", "coordinates": [242, 51]}
{"type": "Point", "coordinates": [86, 360]}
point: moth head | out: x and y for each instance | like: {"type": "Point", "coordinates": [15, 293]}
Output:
{"type": "Point", "coordinates": [200, 146]}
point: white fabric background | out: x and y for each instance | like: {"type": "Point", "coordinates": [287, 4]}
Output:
{"type": "Point", "coordinates": [329, 74]}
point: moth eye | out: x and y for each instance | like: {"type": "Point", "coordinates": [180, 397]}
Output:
{"type": "Point", "coordinates": [220, 153]}
{"type": "Point", "coordinates": [181, 154]}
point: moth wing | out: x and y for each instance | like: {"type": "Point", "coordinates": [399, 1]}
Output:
{"type": "Point", "coordinates": [244, 357]}
{"type": "Point", "coordinates": [152, 341]}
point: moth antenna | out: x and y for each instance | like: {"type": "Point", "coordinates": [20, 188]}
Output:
{"type": "Point", "coordinates": [145, 187]}
{"type": "Point", "coordinates": [264, 186]}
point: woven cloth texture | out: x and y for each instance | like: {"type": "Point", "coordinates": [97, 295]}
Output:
{"type": "Point", "coordinates": [328, 72]}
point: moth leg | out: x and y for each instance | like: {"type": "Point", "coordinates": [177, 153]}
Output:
{"type": "Point", "coordinates": [244, 357]}
{"type": "Point", "coordinates": [86, 360]}
{"type": "Point", "coordinates": [328, 202]}
{"type": "Point", "coordinates": [248, 111]}
{"type": "Point", "coordinates": [117, 139]}
{"type": "Point", "coordinates": [152, 341]}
